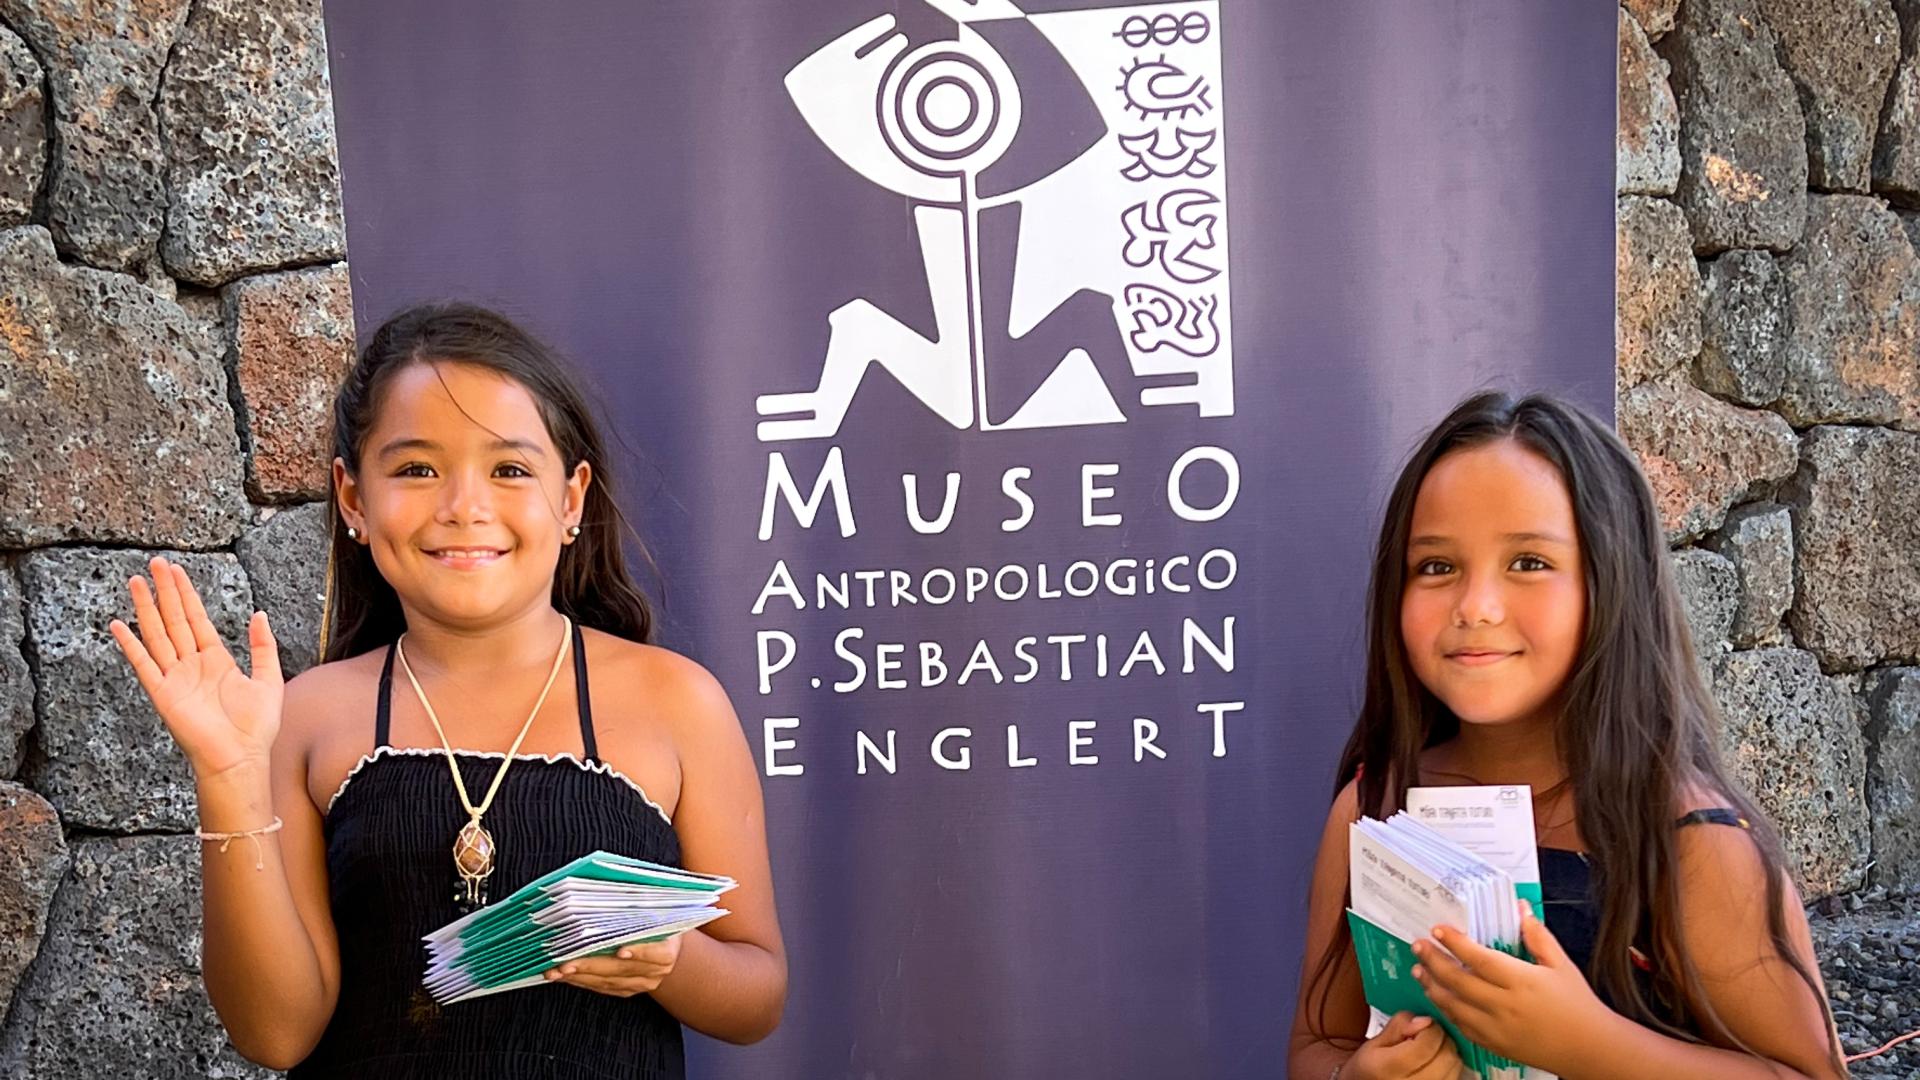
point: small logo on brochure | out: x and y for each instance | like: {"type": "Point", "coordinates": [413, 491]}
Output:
{"type": "Point", "coordinates": [1068, 188]}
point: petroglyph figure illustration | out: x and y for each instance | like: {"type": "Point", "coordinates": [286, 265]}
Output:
{"type": "Point", "coordinates": [1003, 136]}
{"type": "Point", "coordinates": [1156, 88]}
{"type": "Point", "coordinates": [1163, 320]}
{"type": "Point", "coordinates": [1177, 232]}
{"type": "Point", "coordinates": [1165, 152]}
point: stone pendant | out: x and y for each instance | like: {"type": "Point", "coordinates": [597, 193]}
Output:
{"type": "Point", "coordinates": [473, 858]}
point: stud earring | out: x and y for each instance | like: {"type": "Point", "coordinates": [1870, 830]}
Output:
{"type": "Point", "coordinates": [353, 533]}
{"type": "Point", "coordinates": [573, 530]}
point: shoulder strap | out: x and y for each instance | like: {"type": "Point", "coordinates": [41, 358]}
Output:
{"type": "Point", "coordinates": [383, 711]}
{"type": "Point", "coordinates": [1713, 816]}
{"type": "Point", "coordinates": [581, 694]}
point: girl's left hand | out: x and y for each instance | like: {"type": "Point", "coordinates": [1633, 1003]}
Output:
{"type": "Point", "coordinates": [1541, 1013]}
{"type": "Point", "coordinates": [635, 969]}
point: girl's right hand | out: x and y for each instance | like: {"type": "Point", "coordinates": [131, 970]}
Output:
{"type": "Point", "coordinates": [221, 718]}
{"type": "Point", "coordinates": [1409, 1048]}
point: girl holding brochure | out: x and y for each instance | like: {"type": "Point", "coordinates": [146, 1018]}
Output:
{"type": "Point", "coordinates": [1524, 629]}
{"type": "Point", "coordinates": [438, 759]}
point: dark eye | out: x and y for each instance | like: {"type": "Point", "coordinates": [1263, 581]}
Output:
{"type": "Point", "coordinates": [1530, 563]}
{"type": "Point", "coordinates": [414, 468]}
{"type": "Point", "coordinates": [1433, 568]}
{"type": "Point", "coordinates": [511, 470]}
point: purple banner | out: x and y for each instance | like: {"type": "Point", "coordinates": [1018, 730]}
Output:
{"type": "Point", "coordinates": [1013, 392]}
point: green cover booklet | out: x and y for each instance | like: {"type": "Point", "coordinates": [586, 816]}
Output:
{"type": "Point", "coordinates": [591, 906]}
{"type": "Point", "coordinates": [1462, 856]}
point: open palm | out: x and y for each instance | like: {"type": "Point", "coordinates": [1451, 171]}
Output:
{"type": "Point", "coordinates": [220, 716]}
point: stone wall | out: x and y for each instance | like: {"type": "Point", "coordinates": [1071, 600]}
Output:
{"type": "Point", "coordinates": [174, 311]}
{"type": "Point", "coordinates": [1769, 379]}
{"type": "Point", "coordinates": [173, 316]}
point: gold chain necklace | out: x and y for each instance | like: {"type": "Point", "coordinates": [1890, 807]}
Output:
{"type": "Point", "coordinates": [473, 848]}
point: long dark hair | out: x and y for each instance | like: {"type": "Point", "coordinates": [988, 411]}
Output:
{"type": "Point", "coordinates": [591, 584]}
{"type": "Point", "coordinates": [1637, 728]}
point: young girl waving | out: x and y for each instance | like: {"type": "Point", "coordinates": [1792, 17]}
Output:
{"type": "Point", "coordinates": [488, 710]}
{"type": "Point", "coordinates": [1524, 629]}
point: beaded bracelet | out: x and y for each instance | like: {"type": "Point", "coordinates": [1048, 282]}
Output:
{"type": "Point", "coordinates": [227, 838]}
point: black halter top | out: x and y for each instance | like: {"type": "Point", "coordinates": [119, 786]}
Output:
{"type": "Point", "coordinates": [390, 875]}
{"type": "Point", "coordinates": [1573, 911]}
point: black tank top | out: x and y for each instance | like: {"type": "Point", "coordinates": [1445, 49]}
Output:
{"type": "Point", "coordinates": [390, 876]}
{"type": "Point", "coordinates": [1573, 911]}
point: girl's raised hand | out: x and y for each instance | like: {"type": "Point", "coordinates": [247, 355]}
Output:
{"type": "Point", "coordinates": [1541, 1013]}
{"type": "Point", "coordinates": [220, 717]}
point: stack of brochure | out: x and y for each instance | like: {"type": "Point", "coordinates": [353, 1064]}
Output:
{"type": "Point", "coordinates": [593, 905]}
{"type": "Point", "coordinates": [1463, 857]}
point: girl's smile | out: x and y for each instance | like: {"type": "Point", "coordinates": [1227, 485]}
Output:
{"type": "Point", "coordinates": [1480, 657]}
{"type": "Point", "coordinates": [466, 558]}
{"type": "Point", "coordinates": [463, 497]}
